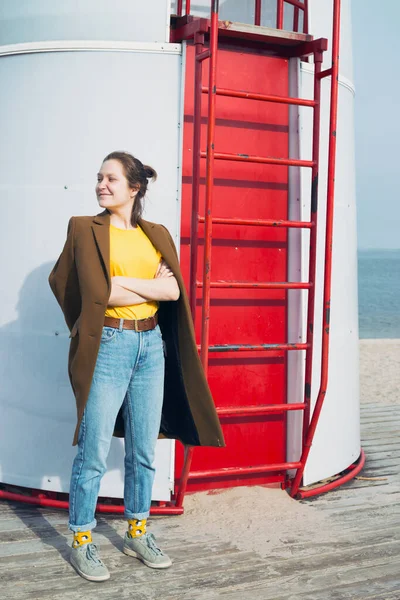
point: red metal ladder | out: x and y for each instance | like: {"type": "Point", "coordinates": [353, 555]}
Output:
{"type": "Point", "coordinates": [317, 48]}
{"type": "Point", "coordinates": [298, 6]}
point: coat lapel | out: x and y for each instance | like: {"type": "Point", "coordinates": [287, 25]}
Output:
{"type": "Point", "coordinates": [158, 237]}
{"type": "Point", "coordinates": [101, 232]}
{"type": "Point", "coordinates": [155, 233]}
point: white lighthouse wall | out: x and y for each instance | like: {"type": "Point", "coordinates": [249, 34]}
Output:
{"type": "Point", "coordinates": [61, 112]}
{"type": "Point", "coordinates": [119, 20]}
{"type": "Point", "coordinates": [337, 439]}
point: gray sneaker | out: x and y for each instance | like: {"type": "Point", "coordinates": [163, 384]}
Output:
{"type": "Point", "coordinates": [145, 549]}
{"type": "Point", "coordinates": [85, 559]}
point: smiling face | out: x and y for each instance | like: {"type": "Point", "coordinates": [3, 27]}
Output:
{"type": "Point", "coordinates": [112, 189]}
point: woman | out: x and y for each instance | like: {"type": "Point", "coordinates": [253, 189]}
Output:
{"type": "Point", "coordinates": [133, 361]}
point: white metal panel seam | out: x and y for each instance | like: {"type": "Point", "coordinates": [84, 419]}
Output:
{"type": "Point", "coordinates": [342, 80]}
{"type": "Point", "coordinates": [90, 46]}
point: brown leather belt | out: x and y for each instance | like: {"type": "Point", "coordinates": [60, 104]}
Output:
{"type": "Point", "coordinates": [135, 324]}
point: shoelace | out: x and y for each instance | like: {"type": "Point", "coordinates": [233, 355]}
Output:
{"type": "Point", "coordinates": [92, 553]}
{"type": "Point", "coordinates": [151, 543]}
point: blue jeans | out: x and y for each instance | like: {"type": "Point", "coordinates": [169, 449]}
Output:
{"type": "Point", "coordinates": [129, 372]}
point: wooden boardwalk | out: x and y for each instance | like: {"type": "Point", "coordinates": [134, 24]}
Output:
{"type": "Point", "coordinates": [352, 551]}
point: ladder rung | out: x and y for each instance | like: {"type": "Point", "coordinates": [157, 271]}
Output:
{"type": "Point", "coordinates": [249, 411]}
{"type": "Point", "coordinates": [260, 223]}
{"type": "Point", "coordinates": [289, 162]}
{"type": "Point", "coordinates": [231, 471]}
{"type": "Point", "coordinates": [260, 97]}
{"type": "Point", "coordinates": [270, 285]}
{"type": "Point", "coordinates": [255, 348]}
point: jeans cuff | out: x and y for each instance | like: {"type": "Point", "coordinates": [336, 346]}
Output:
{"type": "Point", "coordinates": [88, 527]}
{"type": "Point", "coordinates": [137, 516]}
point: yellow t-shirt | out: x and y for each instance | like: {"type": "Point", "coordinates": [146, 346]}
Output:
{"type": "Point", "coordinates": [132, 255]}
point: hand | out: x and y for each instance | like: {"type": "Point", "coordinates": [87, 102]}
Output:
{"type": "Point", "coordinates": [116, 279]}
{"type": "Point", "coordinates": [163, 270]}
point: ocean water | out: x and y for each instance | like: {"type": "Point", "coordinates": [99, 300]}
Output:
{"type": "Point", "coordinates": [379, 293]}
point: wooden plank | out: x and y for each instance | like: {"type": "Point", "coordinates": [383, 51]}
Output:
{"type": "Point", "coordinates": [354, 555]}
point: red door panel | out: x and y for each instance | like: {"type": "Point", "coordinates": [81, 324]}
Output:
{"type": "Point", "coordinates": [239, 253]}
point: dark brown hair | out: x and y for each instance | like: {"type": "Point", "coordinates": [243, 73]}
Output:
{"type": "Point", "coordinates": [137, 175]}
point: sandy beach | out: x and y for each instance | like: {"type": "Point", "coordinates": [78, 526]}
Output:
{"type": "Point", "coordinates": [380, 371]}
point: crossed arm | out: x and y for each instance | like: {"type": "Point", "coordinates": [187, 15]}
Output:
{"type": "Point", "coordinates": [127, 291]}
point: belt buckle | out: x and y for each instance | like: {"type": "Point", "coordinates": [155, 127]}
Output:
{"type": "Point", "coordinates": [136, 325]}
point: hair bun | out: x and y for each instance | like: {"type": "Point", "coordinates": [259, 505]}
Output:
{"type": "Point", "coordinates": [150, 172]}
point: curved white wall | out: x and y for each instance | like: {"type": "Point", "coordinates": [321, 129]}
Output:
{"type": "Point", "coordinates": [119, 20]}
{"type": "Point", "coordinates": [61, 112]}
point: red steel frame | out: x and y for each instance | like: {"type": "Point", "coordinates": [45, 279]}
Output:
{"type": "Point", "coordinates": [280, 4]}
{"type": "Point", "coordinates": [317, 48]}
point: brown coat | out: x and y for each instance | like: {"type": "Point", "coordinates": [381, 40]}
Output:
{"type": "Point", "coordinates": [80, 280]}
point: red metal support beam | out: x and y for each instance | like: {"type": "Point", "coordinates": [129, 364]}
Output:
{"type": "Point", "coordinates": [325, 73]}
{"type": "Point", "coordinates": [262, 97]}
{"type": "Point", "coordinates": [42, 500]}
{"type": "Point", "coordinates": [208, 225]}
{"type": "Point", "coordinates": [203, 55]}
{"type": "Point", "coordinates": [199, 45]}
{"type": "Point", "coordinates": [290, 162]}
{"type": "Point", "coordinates": [179, 7]}
{"type": "Point", "coordinates": [270, 285]}
{"type": "Point", "coordinates": [188, 30]}
{"type": "Point", "coordinates": [305, 21]}
{"type": "Point", "coordinates": [257, 347]}
{"type": "Point", "coordinates": [296, 18]}
{"type": "Point", "coordinates": [257, 12]}
{"type": "Point", "coordinates": [308, 48]}
{"type": "Point", "coordinates": [279, 14]}
{"type": "Point", "coordinates": [353, 471]}
{"type": "Point", "coordinates": [261, 223]}
{"type": "Point", "coordinates": [313, 242]}
{"type": "Point", "coordinates": [250, 411]}
{"type": "Point", "coordinates": [187, 11]}
{"type": "Point", "coordinates": [235, 471]}
{"type": "Point", "coordinates": [295, 3]}
{"type": "Point", "coordinates": [209, 155]}
{"type": "Point", "coordinates": [328, 247]}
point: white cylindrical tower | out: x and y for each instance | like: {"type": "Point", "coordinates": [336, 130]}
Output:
{"type": "Point", "coordinates": [79, 80]}
{"type": "Point", "coordinates": [336, 443]}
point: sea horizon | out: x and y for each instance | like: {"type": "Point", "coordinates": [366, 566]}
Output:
{"type": "Point", "coordinates": [379, 293]}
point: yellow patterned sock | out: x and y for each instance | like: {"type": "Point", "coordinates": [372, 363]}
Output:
{"type": "Point", "coordinates": [81, 538]}
{"type": "Point", "coordinates": [136, 528]}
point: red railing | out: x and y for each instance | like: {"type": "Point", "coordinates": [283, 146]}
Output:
{"type": "Point", "coordinates": [316, 49]}
{"type": "Point", "coordinates": [298, 6]}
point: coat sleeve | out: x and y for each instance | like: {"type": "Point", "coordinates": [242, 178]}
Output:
{"type": "Point", "coordinates": [64, 282]}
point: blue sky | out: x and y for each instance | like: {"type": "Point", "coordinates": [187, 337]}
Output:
{"type": "Point", "coordinates": [377, 125]}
